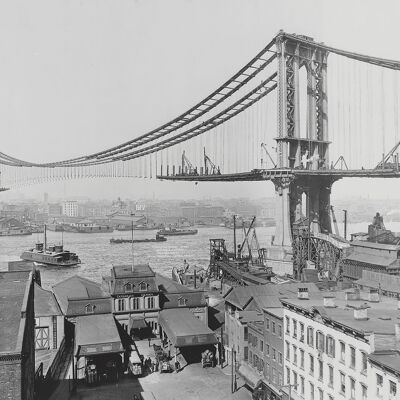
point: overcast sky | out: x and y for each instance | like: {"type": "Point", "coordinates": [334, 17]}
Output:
{"type": "Point", "coordinates": [77, 77]}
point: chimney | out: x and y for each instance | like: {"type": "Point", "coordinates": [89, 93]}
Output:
{"type": "Point", "coordinates": [329, 301]}
{"type": "Point", "coordinates": [353, 294]}
{"type": "Point", "coordinates": [373, 295]}
{"type": "Point", "coordinates": [302, 293]}
{"type": "Point", "coordinates": [397, 331]}
{"type": "Point", "coordinates": [360, 312]}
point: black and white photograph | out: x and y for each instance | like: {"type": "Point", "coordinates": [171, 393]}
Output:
{"type": "Point", "coordinates": [199, 200]}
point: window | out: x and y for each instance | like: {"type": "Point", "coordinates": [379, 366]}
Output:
{"type": "Point", "coordinates": [182, 302]}
{"type": "Point", "coordinates": [352, 388]}
{"type": "Point", "coordinates": [42, 338]}
{"type": "Point", "coordinates": [294, 354]}
{"type": "Point", "coordinates": [142, 286]}
{"type": "Point", "coordinates": [321, 394]}
{"type": "Point", "coordinates": [342, 383]}
{"type": "Point", "coordinates": [261, 345]}
{"type": "Point", "coordinates": [330, 369]}
{"type": "Point", "coordinates": [392, 388]}
{"type": "Point", "coordinates": [121, 305]}
{"type": "Point", "coordinates": [311, 365]}
{"type": "Point", "coordinates": [330, 346]}
{"type": "Point", "coordinates": [267, 350]}
{"type": "Point", "coordinates": [273, 354]}
{"type": "Point", "coordinates": [280, 380]}
{"type": "Point", "coordinates": [250, 357]}
{"type": "Point", "coordinates": [246, 353]}
{"type": "Point", "coordinates": [273, 328]}
{"type": "Point", "coordinates": [267, 370]}
{"type": "Point", "coordinates": [321, 370]}
{"type": "Point", "coordinates": [245, 333]}
{"type": "Point", "coordinates": [295, 381]}
{"type": "Point", "coordinates": [280, 358]}
{"type": "Point", "coordinates": [302, 385]}
{"type": "Point", "coordinates": [135, 303]}
{"type": "Point", "coordinates": [301, 359]}
{"type": "Point", "coordinates": [267, 324]}
{"type": "Point", "coordinates": [280, 330]}
{"type": "Point", "coordinates": [128, 287]}
{"type": "Point", "coordinates": [311, 391]}
{"type": "Point", "coordinates": [287, 375]}
{"type": "Point", "coordinates": [352, 357]}
{"type": "Point", "coordinates": [89, 309]}
{"type": "Point", "coordinates": [287, 351]}
{"type": "Point", "coordinates": [149, 302]}
{"type": "Point", "coordinates": [363, 392]}
{"type": "Point", "coordinates": [379, 384]}
{"type": "Point", "coordinates": [342, 351]}
{"type": "Point", "coordinates": [320, 341]}
{"type": "Point", "coordinates": [287, 325]}
{"type": "Point", "coordinates": [301, 332]}
{"type": "Point", "coordinates": [364, 362]}
{"type": "Point", "coordinates": [295, 329]}
{"type": "Point", "coordinates": [310, 336]}
{"type": "Point", "coordinates": [274, 376]}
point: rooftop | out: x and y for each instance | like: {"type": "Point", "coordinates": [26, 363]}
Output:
{"type": "Point", "coordinates": [372, 245]}
{"type": "Point", "coordinates": [265, 296]}
{"type": "Point", "coordinates": [382, 315]}
{"type": "Point", "coordinates": [45, 303]}
{"type": "Point", "coordinates": [389, 360]}
{"type": "Point", "coordinates": [13, 286]}
{"type": "Point", "coordinates": [77, 287]}
{"type": "Point", "coordinates": [276, 312]}
{"type": "Point", "coordinates": [126, 271]}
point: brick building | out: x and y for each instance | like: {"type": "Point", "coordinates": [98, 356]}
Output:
{"type": "Point", "coordinates": [17, 344]}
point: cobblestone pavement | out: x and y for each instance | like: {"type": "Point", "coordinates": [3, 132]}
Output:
{"type": "Point", "coordinates": [192, 383]}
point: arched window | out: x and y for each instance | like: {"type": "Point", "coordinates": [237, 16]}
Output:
{"type": "Point", "coordinates": [182, 302]}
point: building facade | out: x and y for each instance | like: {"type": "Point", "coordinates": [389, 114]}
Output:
{"type": "Point", "coordinates": [17, 344]}
{"type": "Point", "coordinates": [70, 208]}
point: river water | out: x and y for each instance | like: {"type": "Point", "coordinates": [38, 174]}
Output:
{"type": "Point", "coordinates": [98, 255]}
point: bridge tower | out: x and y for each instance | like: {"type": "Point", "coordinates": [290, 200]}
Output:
{"type": "Point", "coordinates": [297, 148]}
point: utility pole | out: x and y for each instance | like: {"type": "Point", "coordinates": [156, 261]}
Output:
{"type": "Point", "coordinates": [234, 235]}
{"type": "Point", "coordinates": [345, 224]}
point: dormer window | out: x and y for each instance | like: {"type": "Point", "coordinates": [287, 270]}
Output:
{"type": "Point", "coordinates": [89, 308]}
{"type": "Point", "coordinates": [128, 287]}
{"type": "Point", "coordinates": [182, 302]}
{"type": "Point", "coordinates": [142, 286]}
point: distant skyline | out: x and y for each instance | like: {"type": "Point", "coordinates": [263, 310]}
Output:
{"type": "Point", "coordinates": [79, 77]}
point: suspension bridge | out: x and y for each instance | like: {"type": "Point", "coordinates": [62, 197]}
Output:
{"type": "Point", "coordinates": [268, 122]}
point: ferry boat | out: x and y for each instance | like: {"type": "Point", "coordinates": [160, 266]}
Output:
{"type": "Point", "coordinates": [177, 232]}
{"type": "Point", "coordinates": [54, 255]}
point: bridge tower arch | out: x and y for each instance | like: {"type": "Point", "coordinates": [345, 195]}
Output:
{"type": "Point", "coordinates": [296, 152]}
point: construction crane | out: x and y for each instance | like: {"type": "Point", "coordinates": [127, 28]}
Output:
{"type": "Point", "coordinates": [209, 165]}
{"type": "Point", "coordinates": [187, 166]}
{"type": "Point", "coordinates": [264, 146]}
{"type": "Point", "coordinates": [335, 226]}
{"type": "Point", "coordinates": [385, 159]}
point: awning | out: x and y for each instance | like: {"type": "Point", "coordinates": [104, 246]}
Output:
{"type": "Point", "coordinates": [184, 329]}
{"type": "Point", "coordinates": [97, 334]}
{"type": "Point", "coordinates": [137, 323]}
{"type": "Point", "coordinates": [250, 377]}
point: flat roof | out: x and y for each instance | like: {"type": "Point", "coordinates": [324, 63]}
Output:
{"type": "Point", "coordinates": [13, 288]}
{"type": "Point", "coordinates": [184, 329]}
{"type": "Point", "coordinates": [374, 259]}
{"type": "Point", "coordinates": [138, 270]}
{"type": "Point", "coordinates": [382, 315]}
{"type": "Point", "coordinates": [372, 245]}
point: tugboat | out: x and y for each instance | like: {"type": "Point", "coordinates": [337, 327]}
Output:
{"type": "Point", "coordinates": [158, 238]}
{"type": "Point", "coordinates": [54, 256]}
{"type": "Point", "coordinates": [177, 232]}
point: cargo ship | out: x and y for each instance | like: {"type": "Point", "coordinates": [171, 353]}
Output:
{"type": "Point", "coordinates": [54, 255]}
{"type": "Point", "coordinates": [177, 232]}
{"type": "Point", "coordinates": [158, 238]}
